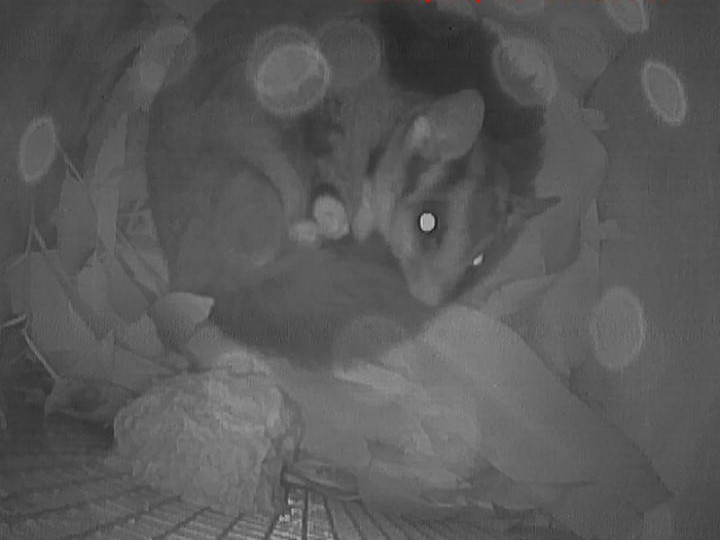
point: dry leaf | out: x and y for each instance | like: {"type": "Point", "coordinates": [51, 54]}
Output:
{"type": "Point", "coordinates": [110, 160]}
{"type": "Point", "coordinates": [18, 278]}
{"type": "Point", "coordinates": [144, 262]}
{"type": "Point", "coordinates": [92, 286]}
{"type": "Point", "coordinates": [163, 59]}
{"type": "Point", "coordinates": [76, 225]}
{"type": "Point", "coordinates": [111, 361]}
{"type": "Point", "coordinates": [516, 296]}
{"type": "Point", "coordinates": [413, 436]}
{"type": "Point", "coordinates": [105, 182]}
{"type": "Point", "coordinates": [136, 372]}
{"type": "Point", "coordinates": [141, 337]}
{"type": "Point", "coordinates": [110, 118]}
{"type": "Point", "coordinates": [408, 438]}
{"type": "Point", "coordinates": [575, 167]}
{"type": "Point", "coordinates": [55, 324]}
{"type": "Point", "coordinates": [562, 320]}
{"type": "Point", "coordinates": [94, 362]}
{"type": "Point", "coordinates": [60, 334]}
{"type": "Point", "coordinates": [594, 231]}
{"type": "Point", "coordinates": [177, 316]}
{"type": "Point", "coordinates": [128, 298]}
{"type": "Point", "coordinates": [533, 430]}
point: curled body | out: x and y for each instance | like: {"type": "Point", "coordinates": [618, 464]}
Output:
{"type": "Point", "coordinates": [443, 181]}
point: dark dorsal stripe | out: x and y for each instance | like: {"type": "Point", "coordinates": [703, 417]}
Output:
{"type": "Point", "coordinates": [457, 171]}
{"type": "Point", "coordinates": [437, 53]}
{"type": "Point", "coordinates": [415, 167]}
{"type": "Point", "coordinates": [374, 159]}
{"type": "Point", "coordinates": [452, 173]}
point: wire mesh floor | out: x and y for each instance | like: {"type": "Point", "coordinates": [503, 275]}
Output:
{"type": "Point", "coordinates": [54, 484]}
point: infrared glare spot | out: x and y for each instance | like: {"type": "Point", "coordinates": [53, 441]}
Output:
{"type": "Point", "coordinates": [629, 15]}
{"type": "Point", "coordinates": [287, 70]}
{"type": "Point", "coordinates": [618, 328]}
{"type": "Point", "coordinates": [427, 222]}
{"type": "Point", "coordinates": [664, 91]}
{"type": "Point", "coordinates": [37, 149]}
{"type": "Point", "coordinates": [292, 79]}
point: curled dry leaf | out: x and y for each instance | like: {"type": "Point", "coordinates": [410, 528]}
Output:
{"type": "Point", "coordinates": [534, 431]}
{"type": "Point", "coordinates": [177, 316]}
